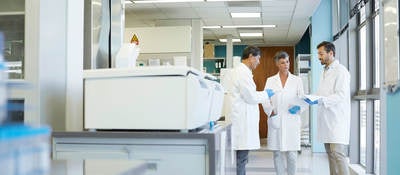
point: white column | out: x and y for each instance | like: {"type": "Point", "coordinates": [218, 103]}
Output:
{"type": "Point", "coordinates": [229, 52]}
{"type": "Point", "coordinates": [197, 44]}
{"type": "Point", "coordinates": [31, 95]}
{"type": "Point", "coordinates": [74, 61]}
{"type": "Point", "coordinates": [54, 63]}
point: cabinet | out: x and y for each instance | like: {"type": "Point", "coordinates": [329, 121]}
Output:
{"type": "Point", "coordinates": [162, 157]}
{"type": "Point", "coordinates": [302, 64]}
{"type": "Point", "coordinates": [162, 44]}
{"type": "Point", "coordinates": [214, 65]}
{"type": "Point", "coordinates": [201, 152]}
{"type": "Point", "coordinates": [302, 69]}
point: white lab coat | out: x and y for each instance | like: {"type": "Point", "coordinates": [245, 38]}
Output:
{"type": "Point", "coordinates": [334, 107]}
{"type": "Point", "coordinates": [243, 110]}
{"type": "Point", "coordinates": [284, 129]}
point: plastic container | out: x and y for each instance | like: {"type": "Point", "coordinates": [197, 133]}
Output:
{"type": "Point", "coordinates": [24, 150]}
{"type": "Point", "coordinates": [126, 56]}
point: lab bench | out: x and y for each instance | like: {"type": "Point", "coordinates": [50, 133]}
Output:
{"type": "Point", "coordinates": [201, 152]}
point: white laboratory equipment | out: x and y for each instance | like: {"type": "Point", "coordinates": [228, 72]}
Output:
{"type": "Point", "coordinates": [217, 97]}
{"type": "Point", "coordinates": [146, 98]}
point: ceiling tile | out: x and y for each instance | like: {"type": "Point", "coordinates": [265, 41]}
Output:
{"type": "Point", "coordinates": [306, 7]}
{"type": "Point", "coordinates": [213, 22]}
{"type": "Point", "coordinates": [173, 5]}
{"type": "Point", "coordinates": [216, 12]}
{"type": "Point", "coordinates": [278, 12]}
{"type": "Point", "coordinates": [279, 3]}
{"type": "Point", "coordinates": [209, 4]}
{"type": "Point", "coordinates": [181, 13]}
{"type": "Point", "coordinates": [149, 15]}
{"type": "Point", "coordinates": [244, 9]}
{"type": "Point", "coordinates": [247, 21]}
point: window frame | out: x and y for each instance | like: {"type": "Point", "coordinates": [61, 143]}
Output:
{"type": "Point", "coordinates": [370, 94]}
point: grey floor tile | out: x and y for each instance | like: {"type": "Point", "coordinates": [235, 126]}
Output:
{"type": "Point", "coordinates": [308, 163]}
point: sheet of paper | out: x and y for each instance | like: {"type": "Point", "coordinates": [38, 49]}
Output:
{"type": "Point", "coordinates": [312, 97]}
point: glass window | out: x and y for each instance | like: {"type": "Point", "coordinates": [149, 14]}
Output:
{"type": "Point", "coordinates": [344, 12]}
{"type": "Point", "coordinates": [362, 14]}
{"type": "Point", "coordinates": [16, 114]}
{"type": "Point", "coordinates": [376, 5]}
{"type": "Point", "coordinates": [377, 52]}
{"type": "Point", "coordinates": [12, 24]}
{"type": "Point", "coordinates": [363, 131]}
{"type": "Point", "coordinates": [377, 135]}
{"type": "Point", "coordinates": [363, 59]}
{"type": "Point", "coordinates": [13, 28]}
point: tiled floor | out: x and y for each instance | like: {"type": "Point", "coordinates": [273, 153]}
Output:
{"type": "Point", "coordinates": [308, 163]}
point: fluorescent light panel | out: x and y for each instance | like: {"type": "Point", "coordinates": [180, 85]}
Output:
{"type": "Point", "coordinates": [164, 1]}
{"type": "Point", "coordinates": [211, 27]}
{"type": "Point", "coordinates": [226, 40]}
{"type": "Point", "coordinates": [234, 0]}
{"type": "Point", "coordinates": [240, 26]}
{"type": "Point", "coordinates": [250, 26]}
{"type": "Point", "coordinates": [245, 15]}
{"type": "Point", "coordinates": [250, 34]}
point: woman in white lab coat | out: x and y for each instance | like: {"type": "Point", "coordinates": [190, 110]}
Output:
{"type": "Point", "coordinates": [284, 123]}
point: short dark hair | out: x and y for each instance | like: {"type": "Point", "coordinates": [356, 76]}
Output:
{"type": "Point", "coordinates": [280, 55]}
{"type": "Point", "coordinates": [328, 46]}
{"type": "Point", "coordinates": [253, 50]}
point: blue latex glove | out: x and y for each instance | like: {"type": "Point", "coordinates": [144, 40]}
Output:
{"type": "Point", "coordinates": [310, 102]}
{"type": "Point", "coordinates": [270, 92]}
{"type": "Point", "coordinates": [294, 109]}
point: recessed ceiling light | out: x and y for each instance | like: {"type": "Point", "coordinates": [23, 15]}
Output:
{"type": "Point", "coordinates": [226, 40]}
{"type": "Point", "coordinates": [163, 1]}
{"type": "Point", "coordinates": [211, 27]}
{"type": "Point", "coordinates": [250, 26]}
{"type": "Point", "coordinates": [245, 15]}
{"type": "Point", "coordinates": [250, 34]}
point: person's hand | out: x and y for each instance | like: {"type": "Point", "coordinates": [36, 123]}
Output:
{"type": "Point", "coordinates": [270, 92]}
{"type": "Point", "coordinates": [294, 109]}
{"type": "Point", "coordinates": [311, 102]}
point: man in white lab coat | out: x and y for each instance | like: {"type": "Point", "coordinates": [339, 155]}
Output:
{"type": "Point", "coordinates": [284, 124]}
{"type": "Point", "coordinates": [243, 110]}
{"type": "Point", "coordinates": [334, 109]}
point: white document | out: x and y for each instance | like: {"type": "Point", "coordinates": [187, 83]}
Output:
{"type": "Point", "coordinates": [312, 98]}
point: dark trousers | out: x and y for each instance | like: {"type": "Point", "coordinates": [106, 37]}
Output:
{"type": "Point", "coordinates": [242, 157]}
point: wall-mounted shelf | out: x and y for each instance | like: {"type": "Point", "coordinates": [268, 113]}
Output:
{"type": "Point", "coordinates": [302, 64]}
{"type": "Point", "coordinates": [214, 65]}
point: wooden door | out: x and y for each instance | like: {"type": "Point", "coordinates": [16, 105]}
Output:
{"type": "Point", "coordinates": [266, 69]}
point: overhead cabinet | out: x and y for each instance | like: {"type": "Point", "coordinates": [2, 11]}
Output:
{"type": "Point", "coordinates": [161, 39]}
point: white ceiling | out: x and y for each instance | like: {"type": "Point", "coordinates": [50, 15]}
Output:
{"type": "Point", "coordinates": [291, 18]}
